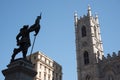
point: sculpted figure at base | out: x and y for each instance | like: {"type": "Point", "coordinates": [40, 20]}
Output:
{"type": "Point", "coordinates": [23, 38]}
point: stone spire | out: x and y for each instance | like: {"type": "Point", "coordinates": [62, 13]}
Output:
{"type": "Point", "coordinates": [96, 18]}
{"type": "Point", "coordinates": [89, 11]}
{"type": "Point", "coordinates": [75, 18]}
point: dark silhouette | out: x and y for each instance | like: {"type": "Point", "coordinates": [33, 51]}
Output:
{"type": "Point", "coordinates": [23, 38]}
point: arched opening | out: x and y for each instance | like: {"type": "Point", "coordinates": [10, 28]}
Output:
{"type": "Point", "coordinates": [83, 30]}
{"type": "Point", "coordinates": [86, 58]}
{"type": "Point", "coordinates": [87, 77]}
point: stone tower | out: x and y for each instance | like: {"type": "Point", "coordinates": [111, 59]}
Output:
{"type": "Point", "coordinates": [89, 47]}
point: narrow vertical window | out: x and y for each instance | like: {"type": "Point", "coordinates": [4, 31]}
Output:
{"type": "Point", "coordinates": [44, 76]}
{"type": "Point", "coordinates": [95, 32]}
{"type": "Point", "coordinates": [40, 66]}
{"type": "Point", "coordinates": [83, 31]}
{"type": "Point", "coordinates": [39, 74]}
{"type": "Point", "coordinates": [98, 54]}
{"type": "Point", "coordinates": [87, 77]}
{"type": "Point", "coordinates": [49, 77]}
{"type": "Point", "coordinates": [110, 77]}
{"type": "Point", "coordinates": [60, 78]}
{"type": "Point", "coordinates": [86, 58]}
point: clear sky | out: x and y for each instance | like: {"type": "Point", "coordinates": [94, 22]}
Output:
{"type": "Point", "coordinates": [56, 38]}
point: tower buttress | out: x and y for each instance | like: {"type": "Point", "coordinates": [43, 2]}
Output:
{"type": "Point", "coordinates": [89, 47]}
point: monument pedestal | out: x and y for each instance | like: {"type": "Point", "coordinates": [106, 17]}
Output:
{"type": "Point", "coordinates": [19, 70]}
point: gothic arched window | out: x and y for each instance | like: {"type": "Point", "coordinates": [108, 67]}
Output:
{"type": "Point", "coordinates": [87, 77]}
{"type": "Point", "coordinates": [83, 30]}
{"type": "Point", "coordinates": [86, 58]}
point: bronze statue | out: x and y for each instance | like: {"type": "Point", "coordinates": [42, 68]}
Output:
{"type": "Point", "coordinates": [23, 38]}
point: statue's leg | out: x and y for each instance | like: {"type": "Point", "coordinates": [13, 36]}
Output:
{"type": "Point", "coordinates": [15, 52]}
{"type": "Point", "coordinates": [24, 53]}
{"type": "Point", "coordinates": [25, 47]}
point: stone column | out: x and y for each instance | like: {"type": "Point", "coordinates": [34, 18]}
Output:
{"type": "Point", "coordinates": [20, 69]}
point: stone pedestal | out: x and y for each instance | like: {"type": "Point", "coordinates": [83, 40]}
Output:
{"type": "Point", "coordinates": [19, 70]}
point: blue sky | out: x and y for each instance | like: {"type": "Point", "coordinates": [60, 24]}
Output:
{"type": "Point", "coordinates": [56, 38]}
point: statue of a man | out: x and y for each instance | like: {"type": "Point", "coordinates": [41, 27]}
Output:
{"type": "Point", "coordinates": [23, 38]}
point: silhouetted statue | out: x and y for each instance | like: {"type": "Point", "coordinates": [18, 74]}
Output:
{"type": "Point", "coordinates": [23, 38]}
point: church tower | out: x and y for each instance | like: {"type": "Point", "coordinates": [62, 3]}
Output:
{"type": "Point", "coordinates": [89, 47]}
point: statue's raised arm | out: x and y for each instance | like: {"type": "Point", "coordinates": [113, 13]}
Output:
{"type": "Point", "coordinates": [36, 26]}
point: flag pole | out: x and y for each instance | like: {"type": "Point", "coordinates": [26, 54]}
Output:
{"type": "Point", "coordinates": [32, 47]}
{"type": "Point", "coordinates": [36, 29]}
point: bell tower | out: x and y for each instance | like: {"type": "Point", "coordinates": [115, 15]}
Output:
{"type": "Point", "coordinates": [89, 47]}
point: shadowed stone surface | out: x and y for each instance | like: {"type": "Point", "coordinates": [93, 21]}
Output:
{"type": "Point", "coordinates": [20, 69]}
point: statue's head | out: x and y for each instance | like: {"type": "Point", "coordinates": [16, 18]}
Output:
{"type": "Point", "coordinates": [24, 27]}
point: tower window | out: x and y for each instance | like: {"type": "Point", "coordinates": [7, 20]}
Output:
{"type": "Point", "coordinates": [95, 31]}
{"type": "Point", "coordinates": [83, 30]}
{"type": "Point", "coordinates": [86, 58]}
{"type": "Point", "coordinates": [87, 77]}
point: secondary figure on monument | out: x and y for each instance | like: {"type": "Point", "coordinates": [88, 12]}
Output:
{"type": "Point", "coordinates": [23, 38]}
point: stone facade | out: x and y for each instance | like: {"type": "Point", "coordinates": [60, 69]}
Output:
{"type": "Point", "coordinates": [91, 63]}
{"type": "Point", "coordinates": [47, 69]}
{"type": "Point", "coordinates": [109, 67]}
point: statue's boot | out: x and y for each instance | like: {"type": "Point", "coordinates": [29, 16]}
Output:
{"type": "Point", "coordinates": [15, 51]}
